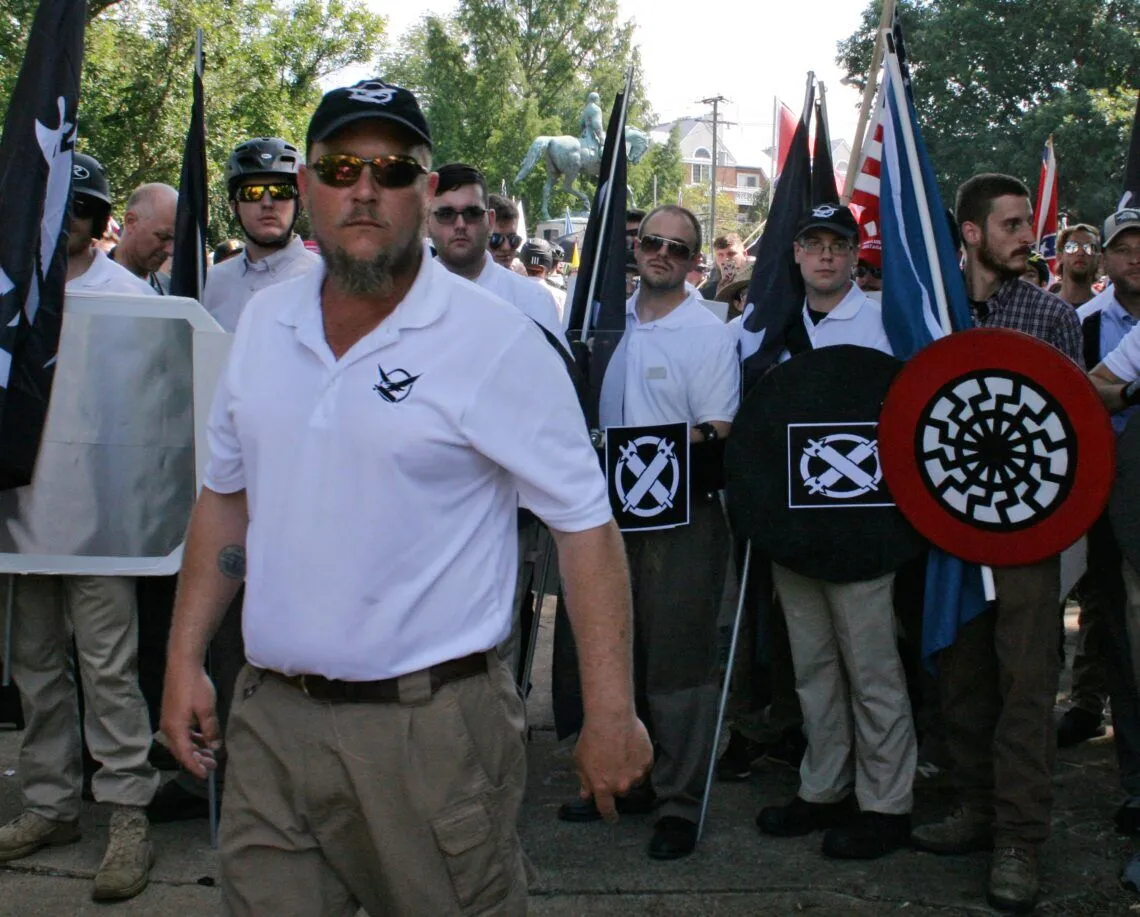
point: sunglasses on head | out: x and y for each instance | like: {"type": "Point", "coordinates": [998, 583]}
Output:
{"type": "Point", "coordinates": [497, 239]}
{"type": "Point", "coordinates": [342, 170]}
{"type": "Point", "coordinates": [863, 270]}
{"type": "Point", "coordinates": [653, 244]}
{"type": "Point", "coordinates": [448, 215]}
{"type": "Point", "coordinates": [278, 192]}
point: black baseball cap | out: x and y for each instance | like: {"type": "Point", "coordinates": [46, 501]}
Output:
{"type": "Point", "coordinates": [833, 217]}
{"type": "Point", "coordinates": [371, 98]}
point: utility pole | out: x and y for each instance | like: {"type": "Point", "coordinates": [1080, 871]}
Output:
{"type": "Point", "coordinates": [714, 102]}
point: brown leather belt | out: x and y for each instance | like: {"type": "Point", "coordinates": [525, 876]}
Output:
{"type": "Point", "coordinates": [385, 691]}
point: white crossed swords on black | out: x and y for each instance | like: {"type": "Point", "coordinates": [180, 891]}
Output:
{"type": "Point", "coordinates": [648, 476]}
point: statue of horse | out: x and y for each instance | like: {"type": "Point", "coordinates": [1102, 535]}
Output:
{"type": "Point", "coordinates": [567, 158]}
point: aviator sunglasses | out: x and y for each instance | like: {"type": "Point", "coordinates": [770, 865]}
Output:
{"type": "Point", "coordinates": [342, 170]}
{"type": "Point", "coordinates": [653, 244]}
{"type": "Point", "coordinates": [496, 239]}
{"type": "Point", "coordinates": [254, 193]}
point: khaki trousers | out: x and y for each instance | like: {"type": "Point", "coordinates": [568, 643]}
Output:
{"type": "Point", "coordinates": [852, 690]}
{"type": "Point", "coordinates": [405, 809]}
{"type": "Point", "coordinates": [100, 612]}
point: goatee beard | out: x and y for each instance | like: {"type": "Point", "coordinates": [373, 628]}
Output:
{"type": "Point", "coordinates": [373, 277]}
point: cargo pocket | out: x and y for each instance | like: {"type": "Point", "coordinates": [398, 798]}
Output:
{"type": "Point", "coordinates": [469, 842]}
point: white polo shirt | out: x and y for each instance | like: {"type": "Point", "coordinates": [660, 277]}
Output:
{"type": "Point", "coordinates": [230, 285]}
{"type": "Point", "coordinates": [383, 487]}
{"type": "Point", "coordinates": [529, 298]}
{"type": "Point", "coordinates": [1124, 361]}
{"type": "Point", "coordinates": [682, 367]}
{"type": "Point", "coordinates": [107, 276]}
{"type": "Point", "coordinates": [858, 320]}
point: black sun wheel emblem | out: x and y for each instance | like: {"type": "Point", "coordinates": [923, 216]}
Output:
{"type": "Point", "coordinates": [996, 449]}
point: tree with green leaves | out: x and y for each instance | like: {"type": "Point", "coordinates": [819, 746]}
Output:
{"type": "Point", "coordinates": [993, 78]}
{"type": "Point", "coordinates": [660, 174]}
{"type": "Point", "coordinates": [499, 73]}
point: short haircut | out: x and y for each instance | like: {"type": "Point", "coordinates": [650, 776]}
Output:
{"type": "Point", "coordinates": [728, 239]}
{"type": "Point", "coordinates": [1064, 235]}
{"type": "Point", "coordinates": [504, 209]}
{"type": "Point", "coordinates": [976, 196]}
{"type": "Point", "coordinates": [634, 216]}
{"type": "Point", "coordinates": [142, 199]}
{"type": "Point", "coordinates": [678, 211]}
{"type": "Point", "coordinates": [458, 175]}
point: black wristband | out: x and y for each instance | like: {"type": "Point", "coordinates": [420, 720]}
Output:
{"type": "Point", "coordinates": [1131, 392]}
{"type": "Point", "coordinates": [708, 431]}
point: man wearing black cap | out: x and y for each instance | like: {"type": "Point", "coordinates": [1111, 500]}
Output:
{"type": "Point", "coordinates": [370, 445]}
{"type": "Point", "coordinates": [849, 677]}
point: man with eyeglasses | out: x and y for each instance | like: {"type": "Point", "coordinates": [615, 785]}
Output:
{"type": "Point", "coordinates": [998, 680]}
{"type": "Point", "coordinates": [857, 776]}
{"type": "Point", "coordinates": [504, 240]}
{"type": "Point", "coordinates": [1078, 260]}
{"type": "Point", "coordinates": [101, 614]}
{"type": "Point", "coordinates": [373, 434]}
{"type": "Point", "coordinates": [148, 234]}
{"type": "Point", "coordinates": [261, 181]}
{"type": "Point", "coordinates": [676, 362]}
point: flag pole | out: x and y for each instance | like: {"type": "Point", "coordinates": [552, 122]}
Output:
{"type": "Point", "coordinates": [1046, 193]}
{"type": "Point", "coordinates": [856, 162]}
{"type": "Point", "coordinates": [586, 319]}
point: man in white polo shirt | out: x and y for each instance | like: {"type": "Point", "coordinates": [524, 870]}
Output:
{"type": "Point", "coordinates": [857, 776]}
{"type": "Point", "coordinates": [261, 181]}
{"type": "Point", "coordinates": [370, 442]}
{"type": "Point", "coordinates": [676, 363]}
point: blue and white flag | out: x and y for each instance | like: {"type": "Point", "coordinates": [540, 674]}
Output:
{"type": "Point", "coordinates": [924, 297]}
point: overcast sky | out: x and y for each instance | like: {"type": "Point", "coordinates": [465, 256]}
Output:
{"type": "Point", "coordinates": [748, 53]}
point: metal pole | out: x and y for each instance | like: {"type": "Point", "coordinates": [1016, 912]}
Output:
{"type": "Point", "coordinates": [715, 102]}
{"type": "Point", "coordinates": [8, 631]}
{"type": "Point", "coordinates": [724, 688]}
{"type": "Point", "coordinates": [539, 595]}
{"type": "Point", "coordinates": [212, 802]}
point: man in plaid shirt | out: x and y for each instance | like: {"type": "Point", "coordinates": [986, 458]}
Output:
{"type": "Point", "coordinates": [998, 680]}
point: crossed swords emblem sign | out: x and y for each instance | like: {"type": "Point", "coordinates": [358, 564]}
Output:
{"type": "Point", "coordinates": [647, 474]}
{"type": "Point", "coordinates": [834, 465]}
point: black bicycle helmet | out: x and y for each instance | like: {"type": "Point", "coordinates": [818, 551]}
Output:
{"type": "Point", "coordinates": [537, 253]}
{"type": "Point", "coordinates": [90, 181]}
{"type": "Point", "coordinates": [262, 156]}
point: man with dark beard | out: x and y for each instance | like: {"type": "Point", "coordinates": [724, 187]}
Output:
{"type": "Point", "coordinates": [370, 443]}
{"type": "Point", "coordinates": [261, 180]}
{"type": "Point", "coordinates": [1078, 251]}
{"type": "Point", "coordinates": [998, 681]}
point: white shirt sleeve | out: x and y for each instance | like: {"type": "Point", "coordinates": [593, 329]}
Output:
{"type": "Point", "coordinates": [714, 391]}
{"type": "Point", "coordinates": [225, 470]}
{"type": "Point", "coordinates": [525, 417]}
{"type": "Point", "coordinates": [1124, 361]}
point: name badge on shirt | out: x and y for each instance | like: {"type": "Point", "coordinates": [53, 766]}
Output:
{"type": "Point", "coordinates": [657, 372]}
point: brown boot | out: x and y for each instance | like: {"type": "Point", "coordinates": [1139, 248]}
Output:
{"type": "Point", "coordinates": [126, 865]}
{"type": "Point", "coordinates": [27, 833]}
{"type": "Point", "coordinates": [1013, 884]}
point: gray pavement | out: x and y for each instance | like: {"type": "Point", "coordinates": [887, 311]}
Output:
{"type": "Point", "coordinates": [602, 869]}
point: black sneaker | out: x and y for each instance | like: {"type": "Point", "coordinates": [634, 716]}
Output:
{"type": "Point", "coordinates": [789, 749]}
{"type": "Point", "coordinates": [867, 836]}
{"type": "Point", "coordinates": [800, 817]}
{"type": "Point", "coordinates": [1078, 725]}
{"type": "Point", "coordinates": [673, 837]}
{"type": "Point", "coordinates": [735, 765]}
{"type": "Point", "coordinates": [641, 800]}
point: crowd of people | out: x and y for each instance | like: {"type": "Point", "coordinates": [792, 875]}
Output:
{"type": "Point", "coordinates": [400, 429]}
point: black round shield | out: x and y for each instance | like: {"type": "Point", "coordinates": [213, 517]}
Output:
{"type": "Point", "coordinates": [1124, 503]}
{"type": "Point", "coordinates": [802, 469]}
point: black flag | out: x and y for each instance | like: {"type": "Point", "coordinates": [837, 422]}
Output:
{"type": "Point", "coordinates": [188, 276]}
{"type": "Point", "coordinates": [776, 291]}
{"type": "Point", "coordinates": [823, 189]}
{"type": "Point", "coordinates": [603, 263]}
{"type": "Point", "coordinates": [1131, 195]}
{"type": "Point", "coordinates": [35, 184]}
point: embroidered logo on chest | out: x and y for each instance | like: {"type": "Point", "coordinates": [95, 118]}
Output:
{"type": "Point", "coordinates": [394, 386]}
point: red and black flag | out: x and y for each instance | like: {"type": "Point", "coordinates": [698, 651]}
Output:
{"type": "Point", "coordinates": [188, 276]}
{"type": "Point", "coordinates": [823, 185]}
{"type": "Point", "coordinates": [35, 185]}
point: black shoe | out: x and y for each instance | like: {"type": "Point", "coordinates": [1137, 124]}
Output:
{"type": "Point", "coordinates": [173, 802]}
{"type": "Point", "coordinates": [641, 800]}
{"type": "Point", "coordinates": [789, 749]}
{"type": "Point", "coordinates": [1077, 726]}
{"type": "Point", "coordinates": [1127, 817]}
{"type": "Point", "coordinates": [735, 765]}
{"type": "Point", "coordinates": [673, 837]}
{"type": "Point", "coordinates": [868, 836]}
{"type": "Point", "coordinates": [800, 817]}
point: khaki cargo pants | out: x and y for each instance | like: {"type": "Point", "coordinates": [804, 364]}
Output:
{"type": "Point", "coordinates": [405, 809]}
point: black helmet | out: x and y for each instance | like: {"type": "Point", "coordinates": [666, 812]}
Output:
{"type": "Point", "coordinates": [537, 253]}
{"type": "Point", "coordinates": [89, 179]}
{"type": "Point", "coordinates": [262, 156]}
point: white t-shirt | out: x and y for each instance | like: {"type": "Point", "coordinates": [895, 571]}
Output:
{"type": "Point", "coordinates": [682, 367]}
{"type": "Point", "coordinates": [529, 298]}
{"type": "Point", "coordinates": [107, 276]}
{"type": "Point", "coordinates": [1124, 361]}
{"type": "Point", "coordinates": [383, 486]}
{"type": "Point", "coordinates": [858, 320]}
{"type": "Point", "coordinates": [230, 285]}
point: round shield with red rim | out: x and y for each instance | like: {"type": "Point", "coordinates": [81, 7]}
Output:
{"type": "Point", "coordinates": [996, 447]}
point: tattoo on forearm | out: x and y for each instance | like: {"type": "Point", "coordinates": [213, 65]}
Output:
{"type": "Point", "coordinates": [231, 561]}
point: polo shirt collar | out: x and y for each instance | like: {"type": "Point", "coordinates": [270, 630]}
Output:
{"type": "Point", "coordinates": [678, 318]}
{"type": "Point", "coordinates": [848, 307]}
{"type": "Point", "coordinates": [275, 259]}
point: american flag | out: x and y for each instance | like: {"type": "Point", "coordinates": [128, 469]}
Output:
{"type": "Point", "coordinates": [865, 195]}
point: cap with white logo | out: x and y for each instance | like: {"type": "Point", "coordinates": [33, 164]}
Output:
{"type": "Point", "coordinates": [367, 99]}
{"type": "Point", "coordinates": [833, 217]}
{"type": "Point", "coordinates": [1122, 220]}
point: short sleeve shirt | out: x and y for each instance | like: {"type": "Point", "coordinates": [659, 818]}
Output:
{"type": "Point", "coordinates": [531, 299]}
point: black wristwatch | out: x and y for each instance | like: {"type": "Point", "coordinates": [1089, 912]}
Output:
{"type": "Point", "coordinates": [1130, 394]}
{"type": "Point", "coordinates": [708, 431]}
